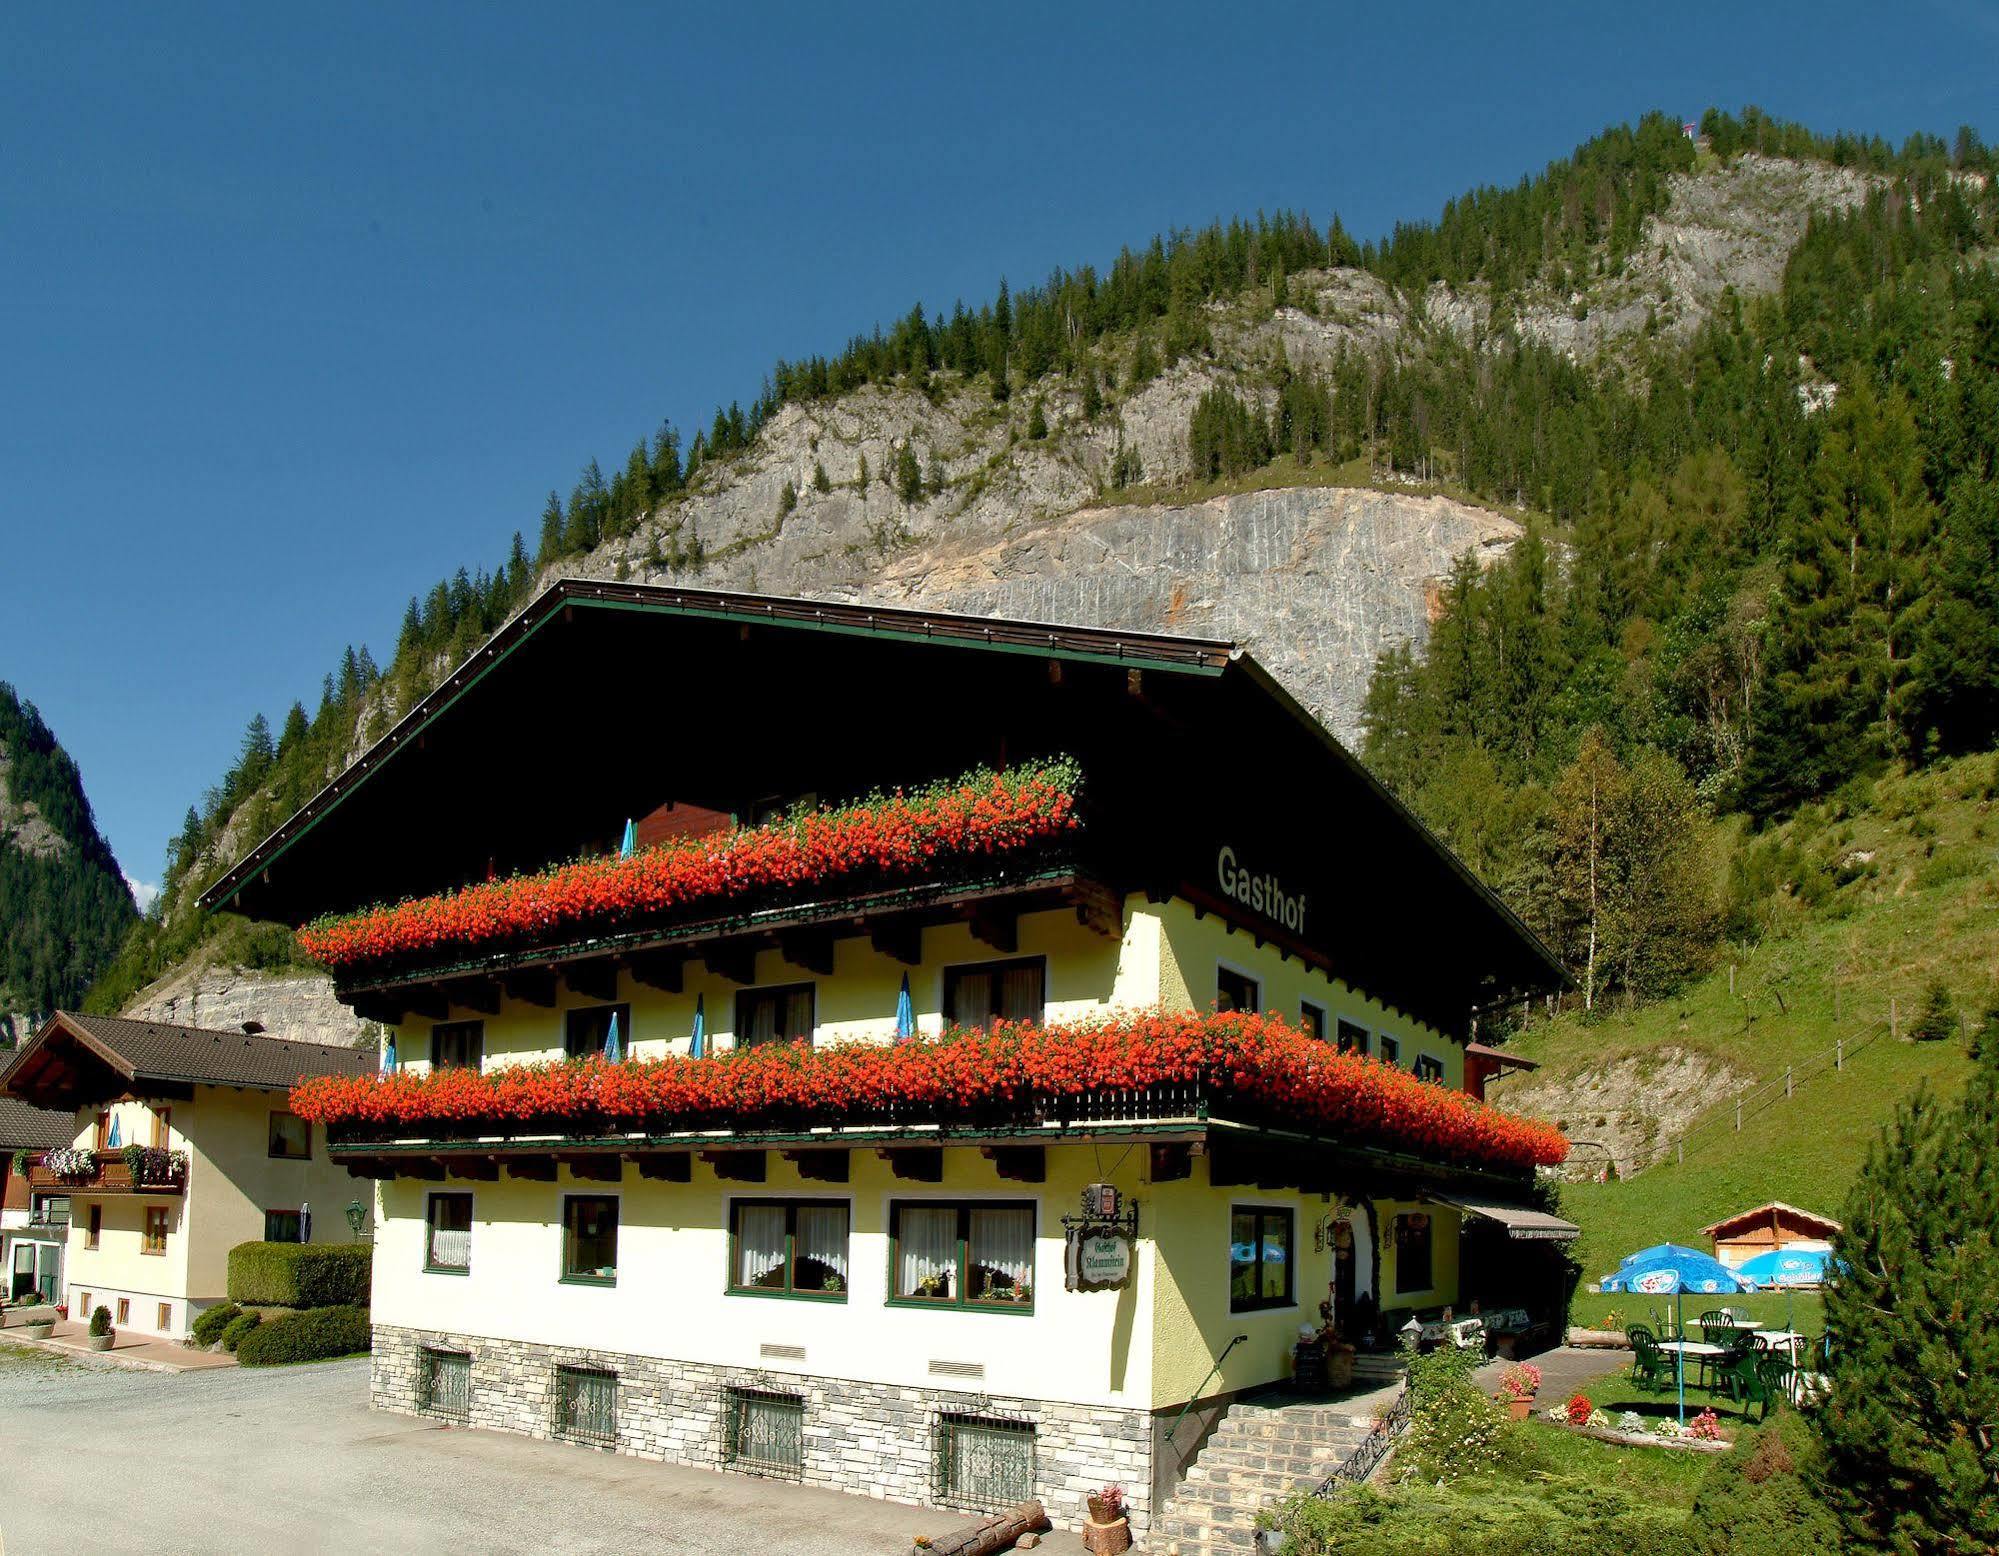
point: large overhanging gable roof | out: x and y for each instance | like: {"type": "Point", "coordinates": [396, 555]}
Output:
{"type": "Point", "coordinates": [74, 1060]}
{"type": "Point", "coordinates": [601, 701]}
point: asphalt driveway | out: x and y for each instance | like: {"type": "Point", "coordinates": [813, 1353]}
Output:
{"type": "Point", "coordinates": [291, 1458]}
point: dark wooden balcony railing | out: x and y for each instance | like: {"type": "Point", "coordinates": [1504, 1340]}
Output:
{"type": "Point", "coordinates": [111, 1175]}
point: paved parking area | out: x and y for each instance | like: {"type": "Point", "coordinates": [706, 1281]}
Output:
{"type": "Point", "coordinates": [291, 1458]}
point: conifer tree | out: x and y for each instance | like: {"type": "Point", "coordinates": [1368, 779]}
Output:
{"type": "Point", "coordinates": [908, 474]}
{"type": "Point", "coordinates": [820, 483]}
{"type": "Point", "coordinates": [1037, 422]}
{"type": "Point", "coordinates": [1913, 1457]}
{"type": "Point", "coordinates": [551, 532]}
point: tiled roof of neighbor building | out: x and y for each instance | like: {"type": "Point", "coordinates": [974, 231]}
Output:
{"type": "Point", "coordinates": [152, 1050]}
{"type": "Point", "coordinates": [23, 1126]}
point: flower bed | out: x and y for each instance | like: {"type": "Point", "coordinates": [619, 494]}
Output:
{"type": "Point", "coordinates": [1258, 1064]}
{"type": "Point", "coordinates": [883, 839]}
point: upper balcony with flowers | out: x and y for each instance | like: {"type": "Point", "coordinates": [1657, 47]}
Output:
{"type": "Point", "coordinates": [987, 827]}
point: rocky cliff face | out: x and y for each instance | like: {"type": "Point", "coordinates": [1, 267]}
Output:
{"type": "Point", "coordinates": [1316, 581]}
{"type": "Point", "coordinates": [299, 1006]}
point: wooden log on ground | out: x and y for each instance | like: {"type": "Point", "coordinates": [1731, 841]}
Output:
{"type": "Point", "coordinates": [988, 1535]}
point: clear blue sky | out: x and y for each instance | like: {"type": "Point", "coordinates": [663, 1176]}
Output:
{"type": "Point", "coordinates": [302, 308]}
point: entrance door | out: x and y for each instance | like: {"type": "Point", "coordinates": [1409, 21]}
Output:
{"type": "Point", "coordinates": [22, 1280]}
{"type": "Point", "coordinates": [1343, 1278]}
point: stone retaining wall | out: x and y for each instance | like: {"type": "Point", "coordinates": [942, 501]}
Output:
{"type": "Point", "coordinates": [874, 1439]}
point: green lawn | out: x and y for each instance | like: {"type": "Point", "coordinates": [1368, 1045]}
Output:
{"type": "Point", "coordinates": [1846, 936]}
{"type": "Point", "coordinates": [1613, 1391]}
{"type": "Point", "coordinates": [31, 1359]}
{"type": "Point", "coordinates": [1665, 1477]}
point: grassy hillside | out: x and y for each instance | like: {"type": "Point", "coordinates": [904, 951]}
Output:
{"type": "Point", "coordinates": [1876, 894]}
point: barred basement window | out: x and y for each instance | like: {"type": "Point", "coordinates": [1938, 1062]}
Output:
{"type": "Point", "coordinates": [444, 1384]}
{"type": "Point", "coordinates": [984, 1461]}
{"type": "Point", "coordinates": [586, 1405]}
{"type": "Point", "coordinates": [764, 1433]}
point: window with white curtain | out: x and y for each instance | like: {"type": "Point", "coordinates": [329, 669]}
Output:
{"type": "Point", "coordinates": [980, 993]}
{"type": "Point", "coordinates": [450, 1233]}
{"type": "Point", "coordinates": [790, 1247]}
{"type": "Point", "coordinates": [780, 1015]}
{"type": "Point", "coordinates": [964, 1254]}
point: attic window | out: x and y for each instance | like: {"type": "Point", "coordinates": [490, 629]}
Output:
{"type": "Point", "coordinates": [253, 1029]}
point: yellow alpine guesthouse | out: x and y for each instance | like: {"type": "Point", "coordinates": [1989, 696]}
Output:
{"type": "Point", "coordinates": [895, 1050]}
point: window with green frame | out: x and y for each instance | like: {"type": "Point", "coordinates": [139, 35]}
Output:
{"type": "Point", "coordinates": [789, 1247]}
{"type": "Point", "coordinates": [586, 1404]}
{"type": "Point", "coordinates": [590, 1239]}
{"type": "Point", "coordinates": [448, 1234]}
{"type": "Point", "coordinates": [970, 1253]}
{"type": "Point", "coordinates": [1260, 1246]}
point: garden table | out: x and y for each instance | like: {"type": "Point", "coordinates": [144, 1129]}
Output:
{"type": "Point", "coordinates": [1697, 1351]}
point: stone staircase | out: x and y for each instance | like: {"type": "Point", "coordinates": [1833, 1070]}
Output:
{"type": "Point", "coordinates": [1264, 1448]}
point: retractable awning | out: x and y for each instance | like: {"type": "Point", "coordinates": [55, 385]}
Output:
{"type": "Point", "coordinates": [1519, 1221]}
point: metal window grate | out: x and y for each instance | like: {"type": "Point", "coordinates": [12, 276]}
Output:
{"type": "Point", "coordinates": [586, 1404]}
{"type": "Point", "coordinates": [764, 1432]}
{"type": "Point", "coordinates": [984, 1461]}
{"type": "Point", "coordinates": [444, 1384]}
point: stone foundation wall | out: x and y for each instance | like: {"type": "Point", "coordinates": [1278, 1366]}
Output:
{"type": "Point", "coordinates": [873, 1439]}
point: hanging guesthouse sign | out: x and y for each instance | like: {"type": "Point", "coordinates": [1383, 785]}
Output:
{"type": "Point", "coordinates": [1100, 1241]}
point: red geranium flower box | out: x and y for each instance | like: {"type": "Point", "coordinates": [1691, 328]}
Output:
{"type": "Point", "coordinates": [1248, 1068]}
{"type": "Point", "coordinates": [886, 839]}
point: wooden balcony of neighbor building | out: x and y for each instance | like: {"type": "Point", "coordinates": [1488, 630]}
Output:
{"type": "Point", "coordinates": [111, 1174]}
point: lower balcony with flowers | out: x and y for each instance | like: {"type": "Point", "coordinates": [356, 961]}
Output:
{"type": "Point", "coordinates": [1116, 1071]}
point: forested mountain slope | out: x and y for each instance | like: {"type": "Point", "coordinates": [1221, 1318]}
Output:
{"type": "Point", "coordinates": [64, 905]}
{"type": "Point", "coordinates": [1737, 397]}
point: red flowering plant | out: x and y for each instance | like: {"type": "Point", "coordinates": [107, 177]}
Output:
{"type": "Point", "coordinates": [884, 839]}
{"type": "Point", "coordinates": [1246, 1067]}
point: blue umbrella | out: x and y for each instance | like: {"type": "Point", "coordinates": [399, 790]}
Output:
{"type": "Point", "coordinates": [1788, 1267]}
{"type": "Point", "coordinates": [630, 845]}
{"type": "Point", "coordinates": [698, 1047]}
{"type": "Point", "coordinates": [905, 1013]}
{"type": "Point", "coordinates": [1669, 1269]}
{"type": "Point", "coordinates": [389, 1055]}
{"type": "Point", "coordinates": [613, 1049]}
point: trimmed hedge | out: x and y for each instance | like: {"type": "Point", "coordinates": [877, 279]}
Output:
{"type": "Point", "coordinates": [209, 1326]}
{"type": "Point", "coordinates": [305, 1275]}
{"type": "Point", "coordinates": [310, 1335]}
{"type": "Point", "coordinates": [237, 1328]}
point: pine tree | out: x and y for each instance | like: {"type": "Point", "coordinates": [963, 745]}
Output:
{"type": "Point", "coordinates": [861, 476]}
{"type": "Point", "coordinates": [787, 499]}
{"type": "Point", "coordinates": [1913, 1458]}
{"type": "Point", "coordinates": [551, 532]}
{"type": "Point", "coordinates": [1037, 422]}
{"type": "Point", "coordinates": [1937, 1023]}
{"type": "Point", "coordinates": [819, 481]}
{"type": "Point", "coordinates": [666, 472]}
{"type": "Point", "coordinates": [908, 474]}
{"type": "Point", "coordinates": [1093, 394]}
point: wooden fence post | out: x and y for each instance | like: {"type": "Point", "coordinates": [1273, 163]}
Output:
{"type": "Point", "coordinates": [1894, 1019]}
{"type": "Point", "coordinates": [1839, 1054]}
{"type": "Point", "coordinates": [1787, 1080]}
{"type": "Point", "coordinates": [1731, 980]}
{"type": "Point", "coordinates": [1683, 1150]}
{"type": "Point", "coordinates": [1738, 1112]}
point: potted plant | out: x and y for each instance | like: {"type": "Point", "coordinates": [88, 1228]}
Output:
{"type": "Point", "coordinates": [38, 1328]}
{"type": "Point", "coordinates": [1517, 1387]}
{"type": "Point", "coordinates": [101, 1332]}
{"type": "Point", "coordinates": [1109, 1530]}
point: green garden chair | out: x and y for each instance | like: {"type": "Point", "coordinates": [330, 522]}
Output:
{"type": "Point", "coordinates": [1651, 1368]}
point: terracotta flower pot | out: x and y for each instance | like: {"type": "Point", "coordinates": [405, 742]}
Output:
{"type": "Point", "coordinates": [1107, 1538]}
{"type": "Point", "coordinates": [1520, 1409]}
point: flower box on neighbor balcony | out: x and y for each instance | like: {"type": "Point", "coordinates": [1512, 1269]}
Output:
{"type": "Point", "coordinates": [107, 1172]}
